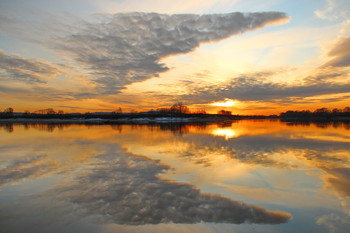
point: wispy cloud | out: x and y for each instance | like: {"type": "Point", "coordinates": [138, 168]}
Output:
{"type": "Point", "coordinates": [340, 53]}
{"type": "Point", "coordinates": [334, 9]}
{"type": "Point", "coordinates": [25, 70]}
{"type": "Point", "coordinates": [29, 167]}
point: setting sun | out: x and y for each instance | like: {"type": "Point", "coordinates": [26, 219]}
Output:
{"type": "Point", "coordinates": [226, 103]}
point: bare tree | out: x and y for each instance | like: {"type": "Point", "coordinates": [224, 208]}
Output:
{"type": "Point", "coordinates": [118, 110]}
{"type": "Point", "coordinates": [179, 108]}
{"type": "Point", "coordinates": [45, 111]}
{"type": "Point", "coordinates": [8, 111]}
{"type": "Point", "coordinates": [200, 111]}
{"type": "Point", "coordinates": [224, 112]}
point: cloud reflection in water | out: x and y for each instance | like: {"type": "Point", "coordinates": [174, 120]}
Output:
{"type": "Point", "coordinates": [114, 186]}
{"type": "Point", "coordinates": [125, 189]}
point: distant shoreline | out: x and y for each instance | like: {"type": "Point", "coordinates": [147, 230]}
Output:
{"type": "Point", "coordinates": [143, 120]}
{"type": "Point", "coordinates": [158, 120]}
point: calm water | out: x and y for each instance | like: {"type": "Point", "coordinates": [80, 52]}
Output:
{"type": "Point", "coordinates": [244, 176]}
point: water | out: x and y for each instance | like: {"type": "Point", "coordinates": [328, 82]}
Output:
{"type": "Point", "coordinates": [244, 176]}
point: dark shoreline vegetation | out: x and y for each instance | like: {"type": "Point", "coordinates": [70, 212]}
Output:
{"type": "Point", "coordinates": [177, 128]}
{"type": "Point", "coordinates": [178, 113]}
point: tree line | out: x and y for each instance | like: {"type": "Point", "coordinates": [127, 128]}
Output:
{"type": "Point", "coordinates": [318, 113]}
{"type": "Point", "coordinates": [175, 109]}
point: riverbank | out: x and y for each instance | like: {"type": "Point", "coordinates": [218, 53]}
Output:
{"type": "Point", "coordinates": [141, 120]}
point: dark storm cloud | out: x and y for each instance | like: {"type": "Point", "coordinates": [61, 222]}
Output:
{"type": "Point", "coordinates": [125, 48]}
{"type": "Point", "coordinates": [26, 168]}
{"type": "Point", "coordinates": [126, 189]}
{"type": "Point", "coordinates": [25, 70]}
{"type": "Point", "coordinates": [341, 54]}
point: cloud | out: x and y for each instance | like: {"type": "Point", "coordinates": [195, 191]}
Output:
{"type": "Point", "coordinates": [251, 88]}
{"type": "Point", "coordinates": [39, 93]}
{"type": "Point", "coordinates": [125, 48]}
{"type": "Point", "coordinates": [330, 78]}
{"type": "Point", "coordinates": [259, 149]}
{"type": "Point", "coordinates": [334, 10]}
{"type": "Point", "coordinates": [25, 70]}
{"type": "Point", "coordinates": [126, 189]}
{"type": "Point", "coordinates": [340, 180]}
{"type": "Point", "coordinates": [27, 168]}
{"type": "Point", "coordinates": [341, 54]}
{"type": "Point", "coordinates": [335, 223]}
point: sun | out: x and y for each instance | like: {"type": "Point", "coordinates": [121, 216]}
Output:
{"type": "Point", "coordinates": [226, 103]}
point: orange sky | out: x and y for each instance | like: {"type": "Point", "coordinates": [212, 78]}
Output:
{"type": "Point", "coordinates": [96, 56]}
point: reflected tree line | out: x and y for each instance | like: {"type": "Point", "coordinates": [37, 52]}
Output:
{"type": "Point", "coordinates": [175, 128]}
{"type": "Point", "coordinates": [320, 124]}
{"type": "Point", "coordinates": [48, 127]}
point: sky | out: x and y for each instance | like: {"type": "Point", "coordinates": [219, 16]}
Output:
{"type": "Point", "coordinates": [244, 56]}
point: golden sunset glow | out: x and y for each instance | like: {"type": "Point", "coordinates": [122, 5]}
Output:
{"type": "Point", "coordinates": [286, 56]}
{"type": "Point", "coordinates": [153, 116]}
{"type": "Point", "coordinates": [227, 103]}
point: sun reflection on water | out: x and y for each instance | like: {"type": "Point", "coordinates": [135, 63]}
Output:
{"type": "Point", "coordinates": [227, 133]}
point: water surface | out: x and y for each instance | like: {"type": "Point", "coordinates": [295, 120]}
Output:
{"type": "Point", "coordinates": [244, 176]}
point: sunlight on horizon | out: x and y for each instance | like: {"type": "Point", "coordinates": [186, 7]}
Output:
{"type": "Point", "coordinates": [226, 103]}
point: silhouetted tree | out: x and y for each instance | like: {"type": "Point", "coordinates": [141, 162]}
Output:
{"type": "Point", "coordinates": [50, 111]}
{"type": "Point", "coordinates": [179, 108]}
{"type": "Point", "coordinates": [163, 110]}
{"type": "Point", "coordinates": [45, 111]}
{"type": "Point", "coordinates": [320, 112]}
{"type": "Point", "coordinates": [118, 110]}
{"type": "Point", "coordinates": [200, 111]}
{"type": "Point", "coordinates": [8, 111]}
{"type": "Point", "coordinates": [224, 112]}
